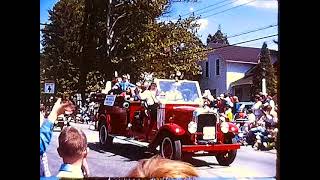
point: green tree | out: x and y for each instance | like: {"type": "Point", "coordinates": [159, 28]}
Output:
{"type": "Point", "coordinates": [218, 37]}
{"type": "Point", "coordinates": [87, 40]}
{"type": "Point", "coordinates": [264, 69]}
{"type": "Point", "coordinates": [171, 47]}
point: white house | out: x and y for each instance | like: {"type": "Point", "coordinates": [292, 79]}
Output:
{"type": "Point", "coordinates": [226, 65]}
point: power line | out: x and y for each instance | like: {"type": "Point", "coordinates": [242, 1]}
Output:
{"type": "Point", "coordinates": [253, 40]}
{"type": "Point", "coordinates": [225, 46]}
{"type": "Point", "coordinates": [229, 9]}
{"type": "Point", "coordinates": [208, 7]}
{"type": "Point", "coordinates": [246, 41]}
{"type": "Point", "coordinates": [251, 31]}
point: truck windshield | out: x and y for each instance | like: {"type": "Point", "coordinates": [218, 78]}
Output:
{"type": "Point", "coordinates": [179, 91]}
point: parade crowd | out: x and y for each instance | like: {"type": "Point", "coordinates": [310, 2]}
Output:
{"type": "Point", "coordinates": [264, 107]}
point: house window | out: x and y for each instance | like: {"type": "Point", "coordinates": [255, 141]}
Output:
{"type": "Point", "coordinates": [217, 67]}
{"type": "Point", "coordinates": [207, 69]}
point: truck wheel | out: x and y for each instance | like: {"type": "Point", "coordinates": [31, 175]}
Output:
{"type": "Point", "coordinates": [170, 148]}
{"type": "Point", "coordinates": [104, 138]}
{"type": "Point", "coordinates": [227, 157]}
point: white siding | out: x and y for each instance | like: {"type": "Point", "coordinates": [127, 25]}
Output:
{"type": "Point", "coordinates": [236, 71]}
{"type": "Point", "coordinates": [214, 81]}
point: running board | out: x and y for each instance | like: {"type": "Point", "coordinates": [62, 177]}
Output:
{"type": "Point", "coordinates": [128, 139]}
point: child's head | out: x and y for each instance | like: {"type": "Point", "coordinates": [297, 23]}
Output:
{"type": "Point", "coordinates": [72, 145]}
{"type": "Point", "coordinates": [158, 167]}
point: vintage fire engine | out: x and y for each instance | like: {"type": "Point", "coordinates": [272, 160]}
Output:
{"type": "Point", "coordinates": [183, 126]}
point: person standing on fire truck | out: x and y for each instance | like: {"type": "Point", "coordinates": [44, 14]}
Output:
{"type": "Point", "coordinates": [149, 96]}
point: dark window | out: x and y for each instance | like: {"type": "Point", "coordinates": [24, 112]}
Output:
{"type": "Point", "coordinates": [207, 69]}
{"type": "Point", "coordinates": [217, 67]}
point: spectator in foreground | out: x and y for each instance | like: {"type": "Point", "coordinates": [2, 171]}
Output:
{"type": "Point", "coordinates": [46, 127]}
{"type": "Point", "coordinates": [73, 150]}
{"type": "Point", "coordinates": [158, 167]}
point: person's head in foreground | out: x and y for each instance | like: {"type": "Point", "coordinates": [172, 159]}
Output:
{"type": "Point", "coordinates": [157, 167]}
{"type": "Point", "coordinates": [73, 150]}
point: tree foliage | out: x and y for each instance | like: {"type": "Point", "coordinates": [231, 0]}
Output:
{"type": "Point", "coordinates": [218, 37]}
{"type": "Point", "coordinates": [264, 69]}
{"type": "Point", "coordinates": [87, 40]}
{"type": "Point", "coordinates": [170, 47]}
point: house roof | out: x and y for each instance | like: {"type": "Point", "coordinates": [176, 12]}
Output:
{"type": "Point", "coordinates": [238, 53]}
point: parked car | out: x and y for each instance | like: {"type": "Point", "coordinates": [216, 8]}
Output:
{"type": "Point", "coordinates": [184, 125]}
{"type": "Point", "coordinates": [244, 106]}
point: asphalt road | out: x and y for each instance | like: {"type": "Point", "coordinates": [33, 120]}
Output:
{"type": "Point", "coordinates": [117, 161]}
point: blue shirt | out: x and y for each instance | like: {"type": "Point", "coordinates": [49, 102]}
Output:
{"type": "Point", "coordinates": [70, 171]}
{"type": "Point", "coordinates": [125, 85]}
{"type": "Point", "coordinates": [45, 135]}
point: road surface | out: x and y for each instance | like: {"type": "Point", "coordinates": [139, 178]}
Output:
{"type": "Point", "coordinates": [117, 161]}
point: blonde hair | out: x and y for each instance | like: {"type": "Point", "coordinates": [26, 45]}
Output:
{"type": "Point", "coordinates": [157, 167]}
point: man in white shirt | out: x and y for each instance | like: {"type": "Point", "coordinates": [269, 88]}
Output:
{"type": "Point", "coordinates": [256, 108]}
{"type": "Point", "coordinates": [152, 105]}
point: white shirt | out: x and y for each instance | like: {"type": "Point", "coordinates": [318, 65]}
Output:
{"type": "Point", "coordinates": [229, 101]}
{"type": "Point", "coordinates": [251, 118]}
{"type": "Point", "coordinates": [256, 108]}
{"type": "Point", "coordinates": [272, 104]}
{"type": "Point", "coordinates": [149, 97]}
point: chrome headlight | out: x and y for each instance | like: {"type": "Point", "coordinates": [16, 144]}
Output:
{"type": "Point", "coordinates": [192, 127]}
{"type": "Point", "coordinates": [224, 127]}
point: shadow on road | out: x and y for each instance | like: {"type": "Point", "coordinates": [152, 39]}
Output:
{"type": "Point", "coordinates": [130, 151]}
{"type": "Point", "coordinates": [200, 163]}
{"type": "Point", "coordinates": [135, 153]}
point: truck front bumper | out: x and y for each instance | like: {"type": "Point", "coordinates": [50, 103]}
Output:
{"type": "Point", "coordinates": [210, 148]}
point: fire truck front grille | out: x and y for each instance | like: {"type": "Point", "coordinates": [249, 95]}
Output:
{"type": "Point", "coordinates": [205, 120]}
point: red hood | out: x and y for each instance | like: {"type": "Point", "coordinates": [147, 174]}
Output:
{"type": "Point", "coordinates": [180, 114]}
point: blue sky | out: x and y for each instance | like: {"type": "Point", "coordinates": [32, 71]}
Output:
{"type": "Point", "coordinates": [254, 15]}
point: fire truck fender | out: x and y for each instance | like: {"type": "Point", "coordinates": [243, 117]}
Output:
{"type": "Point", "coordinates": [167, 129]}
{"type": "Point", "coordinates": [172, 128]}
